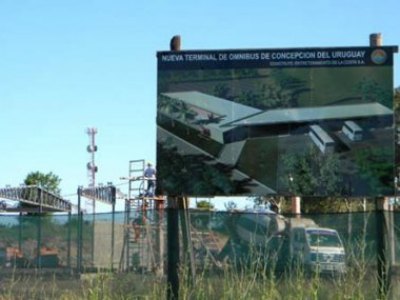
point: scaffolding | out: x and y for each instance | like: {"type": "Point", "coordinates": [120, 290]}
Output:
{"type": "Point", "coordinates": [145, 229]}
{"type": "Point", "coordinates": [143, 234]}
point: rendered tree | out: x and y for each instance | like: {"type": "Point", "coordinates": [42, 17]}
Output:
{"type": "Point", "coordinates": [397, 103]}
{"type": "Point", "coordinates": [195, 175]}
{"type": "Point", "coordinates": [372, 91]}
{"type": "Point", "coordinates": [185, 113]}
{"type": "Point", "coordinates": [312, 173]}
{"type": "Point", "coordinates": [222, 90]}
{"type": "Point", "coordinates": [376, 169]}
{"type": "Point", "coordinates": [278, 91]}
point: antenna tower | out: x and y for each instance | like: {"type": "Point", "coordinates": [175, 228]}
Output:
{"type": "Point", "coordinates": [92, 148]}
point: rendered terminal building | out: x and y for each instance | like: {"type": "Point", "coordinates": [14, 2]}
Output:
{"type": "Point", "coordinates": [225, 121]}
{"type": "Point", "coordinates": [228, 126]}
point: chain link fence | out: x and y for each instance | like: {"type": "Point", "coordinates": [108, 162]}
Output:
{"type": "Point", "coordinates": [336, 247]}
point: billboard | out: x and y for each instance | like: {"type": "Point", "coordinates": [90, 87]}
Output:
{"type": "Point", "coordinates": [305, 122]}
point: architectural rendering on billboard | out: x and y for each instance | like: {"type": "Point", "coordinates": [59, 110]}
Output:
{"type": "Point", "coordinates": [306, 122]}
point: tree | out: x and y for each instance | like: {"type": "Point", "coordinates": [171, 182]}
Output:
{"type": "Point", "coordinates": [230, 206]}
{"type": "Point", "coordinates": [49, 181]}
{"type": "Point", "coordinates": [204, 204]}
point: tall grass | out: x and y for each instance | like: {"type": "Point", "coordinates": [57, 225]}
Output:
{"type": "Point", "coordinates": [253, 277]}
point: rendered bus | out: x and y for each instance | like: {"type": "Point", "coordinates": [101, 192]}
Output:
{"type": "Point", "coordinates": [352, 131]}
{"type": "Point", "coordinates": [321, 139]}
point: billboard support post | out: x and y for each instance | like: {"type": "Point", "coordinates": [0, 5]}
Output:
{"type": "Point", "coordinates": [173, 224]}
{"type": "Point", "coordinates": [375, 40]}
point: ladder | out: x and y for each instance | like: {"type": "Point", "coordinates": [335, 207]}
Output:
{"type": "Point", "coordinates": [136, 186]}
{"type": "Point", "coordinates": [136, 189]}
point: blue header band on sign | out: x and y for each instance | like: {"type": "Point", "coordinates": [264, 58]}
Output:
{"type": "Point", "coordinates": [277, 58]}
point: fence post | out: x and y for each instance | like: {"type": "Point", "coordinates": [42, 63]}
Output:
{"type": "Point", "coordinates": [188, 256]}
{"type": "Point", "coordinates": [78, 234]}
{"type": "Point", "coordinates": [296, 205]}
{"type": "Point", "coordinates": [172, 248]}
{"type": "Point", "coordinates": [20, 218]}
{"type": "Point", "coordinates": [69, 242]}
{"type": "Point", "coordinates": [113, 199]}
{"type": "Point", "coordinates": [381, 235]}
{"type": "Point", "coordinates": [39, 230]}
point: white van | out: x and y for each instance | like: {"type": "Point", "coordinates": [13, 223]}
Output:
{"type": "Point", "coordinates": [352, 131]}
{"type": "Point", "coordinates": [318, 249]}
{"type": "Point", "coordinates": [321, 139]}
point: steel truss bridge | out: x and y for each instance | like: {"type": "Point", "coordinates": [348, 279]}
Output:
{"type": "Point", "coordinates": [35, 199]}
{"type": "Point", "coordinates": [105, 194]}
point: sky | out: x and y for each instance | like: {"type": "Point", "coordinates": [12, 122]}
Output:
{"type": "Point", "coordinates": [67, 65]}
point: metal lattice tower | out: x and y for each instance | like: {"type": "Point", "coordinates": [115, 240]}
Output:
{"type": "Point", "coordinates": [92, 148]}
{"type": "Point", "coordinates": [91, 165]}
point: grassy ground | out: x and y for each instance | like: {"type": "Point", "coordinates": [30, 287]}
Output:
{"type": "Point", "coordinates": [251, 283]}
{"type": "Point", "coordinates": [88, 286]}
